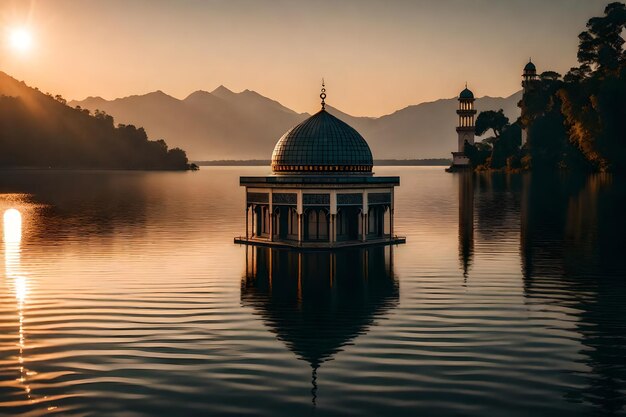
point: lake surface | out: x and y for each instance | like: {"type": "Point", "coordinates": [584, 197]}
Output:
{"type": "Point", "coordinates": [123, 294]}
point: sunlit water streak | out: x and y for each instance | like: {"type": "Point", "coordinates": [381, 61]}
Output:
{"type": "Point", "coordinates": [124, 295]}
{"type": "Point", "coordinates": [18, 283]}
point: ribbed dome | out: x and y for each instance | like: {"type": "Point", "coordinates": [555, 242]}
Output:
{"type": "Point", "coordinates": [530, 67]}
{"type": "Point", "coordinates": [466, 94]}
{"type": "Point", "coordinates": [322, 144]}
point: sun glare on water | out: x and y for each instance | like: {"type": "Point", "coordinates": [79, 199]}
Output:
{"type": "Point", "coordinates": [20, 39]}
{"type": "Point", "coordinates": [12, 226]}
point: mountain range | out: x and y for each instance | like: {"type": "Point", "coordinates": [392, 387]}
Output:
{"type": "Point", "coordinates": [223, 124]}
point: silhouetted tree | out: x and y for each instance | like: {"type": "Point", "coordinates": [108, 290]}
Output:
{"type": "Point", "coordinates": [60, 99]}
{"type": "Point", "coordinates": [594, 96]}
{"type": "Point", "coordinates": [500, 151]}
{"type": "Point", "coordinates": [494, 120]}
{"type": "Point", "coordinates": [477, 153]}
{"type": "Point", "coordinates": [601, 46]}
{"type": "Point", "coordinates": [505, 152]}
{"type": "Point", "coordinates": [549, 75]}
{"type": "Point", "coordinates": [577, 122]}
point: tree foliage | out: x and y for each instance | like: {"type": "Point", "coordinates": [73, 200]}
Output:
{"type": "Point", "coordinates": [477, 154]}
{"type": "Point", "coordinates": [497, 152]}
{"type": "Point", "coordinates": [506, 148]}
{"type": "Point", "coordinates": [38, 130]}
{"type": "Point", "coordinates": [494, 120]}
{"type": "Point", "coordinates": [601, 46]}
{"type": "Point", "coordinates": [577, 122]}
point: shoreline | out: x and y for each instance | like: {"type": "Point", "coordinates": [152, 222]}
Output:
{"type": "Point", "coordinates": [379, 162]}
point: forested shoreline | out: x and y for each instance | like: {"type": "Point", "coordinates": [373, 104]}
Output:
{"type": "Point", "coordinates": [573, 122]}
{"type": "Point", "coordinates": [39, 130]}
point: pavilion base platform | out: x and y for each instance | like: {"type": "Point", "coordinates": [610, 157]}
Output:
{"type": "Point", "coordinates": [294, 244]}
{"type": "Point", "coordinates": [458, 168]}
{"type": "Point", "coordinates": [460, 163]}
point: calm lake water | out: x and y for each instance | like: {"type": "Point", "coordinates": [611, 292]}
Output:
{"type": "Point", "coordinates": [123, 294]}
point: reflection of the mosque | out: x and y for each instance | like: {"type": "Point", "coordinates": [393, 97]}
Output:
{"type": "Point", "coordinates": [318, 302]}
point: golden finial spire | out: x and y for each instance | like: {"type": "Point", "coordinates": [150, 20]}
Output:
{"type": "Point", "coordinates": [323, 95]}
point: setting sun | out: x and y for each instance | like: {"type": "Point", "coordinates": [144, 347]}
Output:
{"type": "Point", "coordinates": [20, 39]}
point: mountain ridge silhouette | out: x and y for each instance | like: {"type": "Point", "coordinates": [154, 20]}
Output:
{"type": "Point", "coordinates": [227, 125]}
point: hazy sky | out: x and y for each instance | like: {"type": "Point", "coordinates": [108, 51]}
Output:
{"type": "Point", "coordinates": [376, 56]}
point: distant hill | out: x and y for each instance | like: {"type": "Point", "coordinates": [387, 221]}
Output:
{"type": "Point", "coordinates": [209, 125]}
{"type": "Point", "coordinates": [38, 130]}
{"type": "Point", "coordinates": [224, 125]}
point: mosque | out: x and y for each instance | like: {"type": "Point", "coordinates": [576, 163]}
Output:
{"type": "Point", "coordinates": [529, 77]}
{"type": "Point", "coordinates": [465, 130]}
{"type": "Point", "coordinates": [322, 192]}
{"type": "Point", "coordinates": [466, 112]}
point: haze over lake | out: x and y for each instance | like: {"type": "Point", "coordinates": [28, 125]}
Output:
{"type": "Point", "coordinates": [507, 299]}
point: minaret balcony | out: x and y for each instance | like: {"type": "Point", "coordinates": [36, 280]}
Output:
{"type": "Point", "coordinates": [466, 128]}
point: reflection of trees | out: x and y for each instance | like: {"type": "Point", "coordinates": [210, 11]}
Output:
{"type": "Point", "coordinates": [488, 206]}
{"type": "Point", "coordinates": [544, 204]}
{"type": "Point", "coordinates": [572, 244]}
{"type": "Point", "coordinates": [595, 226]}
{"type": "Point", "coordinates": [318, 302]}
{"type": "Point", "coordinates": [497, 206]}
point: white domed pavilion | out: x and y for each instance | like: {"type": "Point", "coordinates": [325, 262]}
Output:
{"type": "Point", "coordinates": [322, 192]}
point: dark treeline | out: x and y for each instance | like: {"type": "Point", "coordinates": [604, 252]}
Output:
{"type": "Point", "coordinates": [39, 130]}
{"type": "Point", "coordinates": [575, 121]}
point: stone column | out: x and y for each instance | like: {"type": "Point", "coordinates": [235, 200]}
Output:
{"type": "Point", "coordinates": [364, 217]}
{"type": "Point", "coordinates": [332, 233]}
{"type": "Point", "coordinates": [271, 218]}
{"type": "Point", "coordinates": [363, 220]}
{"type": "Point", "coordinates": [391, 221]}
{"type": "Point", "coordinates": [391, 215]}
{"type": "Point", "coordinates": [253, 216]}
{"type": "Point", "coordinates": [246, 221]}
{"type": "Point", "coordinates": [299, 210]}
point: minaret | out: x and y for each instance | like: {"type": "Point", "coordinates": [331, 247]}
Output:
{"type": "Point", "coordinates": [528, 78]}
{"type": "Point", "coordinates": [465, 128]}
{"type": "Point", "coordinates": [529, 75]}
